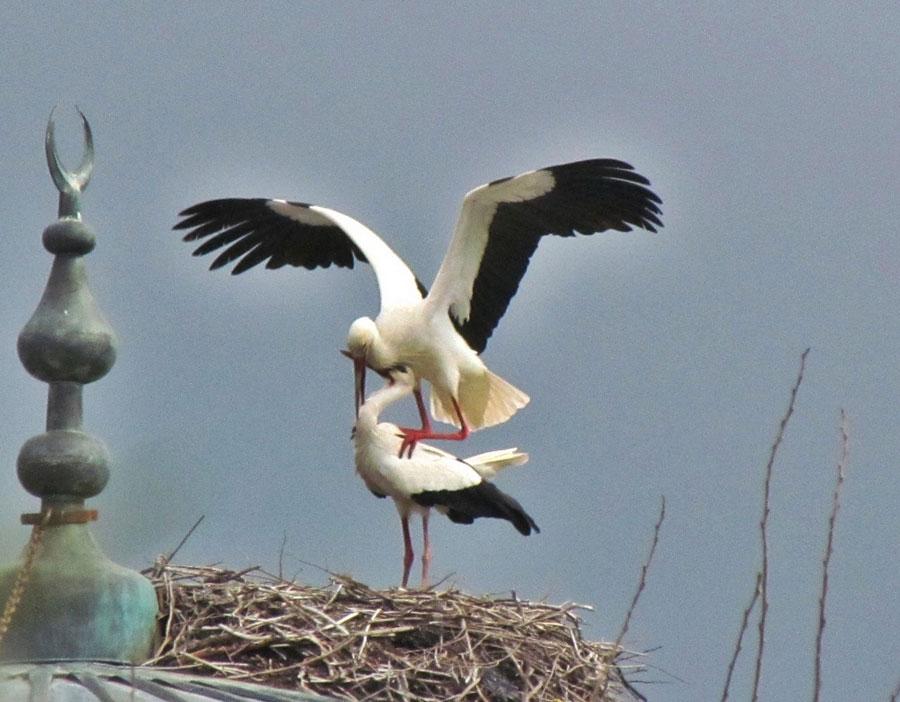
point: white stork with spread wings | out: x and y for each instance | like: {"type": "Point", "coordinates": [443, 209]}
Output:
{"type": "Point", "coordinates": [438, 334]}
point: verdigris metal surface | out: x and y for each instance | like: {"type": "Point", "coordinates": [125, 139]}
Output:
{"type": "Point", "coordinates": [99, 682]}
{"type": "Point", "coordinates": [79, 604]}
{"type": "Point", "coordinates": [71, 601]}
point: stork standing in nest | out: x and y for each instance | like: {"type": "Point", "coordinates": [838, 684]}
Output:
{"type": "Point", "coordinates": [431, 478]}
{"type": "Point", "coordinates": [439, 334]}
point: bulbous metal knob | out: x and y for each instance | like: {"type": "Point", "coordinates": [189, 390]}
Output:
{"type": "Point", "coordinates": [69, 236]}
{"type": "Point", "coordinates": [67, 339]}
{"type": "Point", "coordinates": [63, 463]}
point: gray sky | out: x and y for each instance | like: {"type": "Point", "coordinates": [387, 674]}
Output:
{"type": "Point", "coordinates": [657, 364]}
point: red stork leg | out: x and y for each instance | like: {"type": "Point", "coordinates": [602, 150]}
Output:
{"type": "Point", "coordinates": [426, 552]}
{"type": "Point", "coordinates": [412, 436]}
{"type": "Point", "coordinates": [407, 550]}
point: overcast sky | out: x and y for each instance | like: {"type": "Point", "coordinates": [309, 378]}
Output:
{"type": "Point", "coordinates": [658, 364]}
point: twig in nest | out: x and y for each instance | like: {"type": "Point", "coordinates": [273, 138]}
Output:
{"type": "Point", "coordinates": [763, 527]}
{"type": "Point", "coordinates": [826, 560]}
{"type": "Point", "coordinates": [164, 560]}
{"type": "Point", "coordinates": [281, 555]}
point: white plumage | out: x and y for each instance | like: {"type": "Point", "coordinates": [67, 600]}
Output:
{"type": "Point", "coordinates": [437, 335]}
{"type": "Point", "coordinates": [430, 478]}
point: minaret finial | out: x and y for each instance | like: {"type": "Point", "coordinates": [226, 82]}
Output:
{"type": "Point", "coordinates": [77, 603]}
{"type": "Point", "coordinates": [70, 183]}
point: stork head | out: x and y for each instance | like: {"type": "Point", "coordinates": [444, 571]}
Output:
{"type": "Point", "coordinates": [360, 338]}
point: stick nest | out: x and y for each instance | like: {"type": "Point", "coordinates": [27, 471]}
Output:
{"type": "Point", "coordinates": [348, 641]}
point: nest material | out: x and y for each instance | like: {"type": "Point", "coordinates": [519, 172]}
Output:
{"type": "Point", "coordinates": [348, 641]}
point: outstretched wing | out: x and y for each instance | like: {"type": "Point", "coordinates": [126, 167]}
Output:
{"type": "Point", "coordinates": [278, 232]}
{"type": "Point", "coordinates": [501, 223]}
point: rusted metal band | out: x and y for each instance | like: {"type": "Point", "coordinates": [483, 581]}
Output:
{"type": "Point", "coordinates": [55, 518]}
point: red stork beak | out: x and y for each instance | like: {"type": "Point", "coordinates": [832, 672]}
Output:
{"type": "Point", "coordinates": [359, 379]}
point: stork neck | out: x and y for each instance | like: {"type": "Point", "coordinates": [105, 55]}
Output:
{"type": "Point", "coordinates": [379, 400]}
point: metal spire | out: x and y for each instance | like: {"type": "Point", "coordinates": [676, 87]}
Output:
{"type": "Point", "coordinates": [69, 601]}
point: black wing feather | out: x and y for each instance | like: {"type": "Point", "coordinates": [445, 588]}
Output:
{"type": "Point", "coordinates": [482, 500]}
{"type": "Point", "coordinates": [588, 197]}
{"type": "Point", "coordinates": [254, 233]}
{"type": "Point", "coordinates": [250, 230]}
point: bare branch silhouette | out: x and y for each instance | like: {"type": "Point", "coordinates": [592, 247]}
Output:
{"type": "Point", "coordinates": [835, 506]}
{"type": "Point", "coordinates": [763, 527]}
{"type": "Point", "coordinates": [600, 690]}
{"type": "Point", "coordinates": [737, 646]}
{"type": "Point", "coordinates": [643, 581]}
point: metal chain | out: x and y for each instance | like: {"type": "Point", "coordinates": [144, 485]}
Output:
{"type": "Point", "coordinates": [24, 574]}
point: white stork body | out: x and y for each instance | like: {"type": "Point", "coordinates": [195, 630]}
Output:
{"type": "Point", "coordinates": [431, 478]}
{"type": "Point", "coordinates": [437, 335]}
{"type": "Point", "coordinates": [464, 391]}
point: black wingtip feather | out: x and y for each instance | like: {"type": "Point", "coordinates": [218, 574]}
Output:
{"type": "Point", "coordinates": [482, 500]}
{"type": "Point", "coordinates": [588, 197]}
{"type": "Point", "coordinates": [251, 232]}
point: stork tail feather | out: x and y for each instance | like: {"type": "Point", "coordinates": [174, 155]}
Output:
{"type": "Point", "coordinates": [486, 400]}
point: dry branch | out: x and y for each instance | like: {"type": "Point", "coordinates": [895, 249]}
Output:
{"type": "Point", "coordinates": [826, 560]}
{"type": "Point", "coordinates": [763, 527]}
{"type": "Point", "coordinates": [642, 583]}
{"type": "Point", "coordinates": [348, 641]}
{"type": "Point", "coordinates": [740, 638]}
